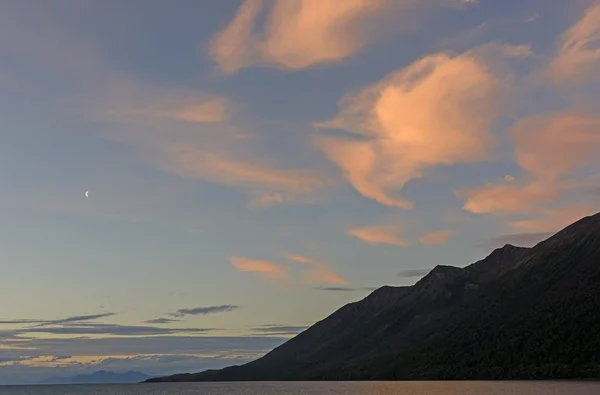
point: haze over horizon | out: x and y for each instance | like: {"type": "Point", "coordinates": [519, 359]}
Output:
{"type": "Point", "coordinates": [186, 187]}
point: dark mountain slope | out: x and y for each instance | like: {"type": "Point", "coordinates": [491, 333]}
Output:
{"type": "Point", "coordinates": [519, 313]}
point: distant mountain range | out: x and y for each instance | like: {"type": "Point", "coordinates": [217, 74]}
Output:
{"type": "Point", "coordinates": [520, 313]}
{"type": "Point", "coordinates": [100, 377]}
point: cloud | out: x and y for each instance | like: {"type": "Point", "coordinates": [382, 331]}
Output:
{"type": "Point", "coordinates": [266, 184]}
{"type": "Point", "coordinates": [109, 329]}
{"type": "Point", "coordinates": [279, 330]}
{"type": "Point", "coordinates": [303, 33]}
{"type": "Point", "coordinates": [553, 219]}
{"type": "Point", "coordinates": [504, 198]}
{"type": "Point", "coordinates": [548, 148]}
{"type": "Point", "coordinates": [437, 111]}
{"type": "Point", "coordinates": [551, 145]}
{"type": "Point", "coordinates": [154, 355]}
{"type": "Point", "coordinates": [205, 310]}
{"type": "Point", "coordinates": [381, 234]}
{"type": "Point", "coordinates": [270, 270]}
{"type": "Point", "coordinates": [72, 319]}
{"type": "Point", "coordinates": [22, 321]}
{"type": "Point", "coordinates": [517, 239]}
{"type": "Point", "coordinates": [155, 344]}
{"type": "Point", "coordinates": [436, 238]}
{"type": "Point", "coordinates": [578, 56]}
{"type": "Point", "coordinates": [319, 272]}
{"type": "Point", "coordinates": [413, 273]}
{"type": "Point", "coordinates": [132, 103]}
{"type": "Point", "coordinates": [214, 110]}
{"type": "Point", "coordinates": [77, 318]}
{"type": "Point", "coordinates": [161, 321]}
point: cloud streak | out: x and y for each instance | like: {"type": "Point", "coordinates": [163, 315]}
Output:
{"type": "Point", "coordinates": [319, 272]}
{"type": "Point", "coordinates": [266, 269]}
{"type": "Point", "coordinates": [379, 234]}
{"type": "Point", "coordinates": [578, 56]}
{"type": "Point", "coordinates": [207, 310]}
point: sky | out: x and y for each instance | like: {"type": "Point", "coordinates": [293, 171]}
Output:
{"type": "Point", "coordinates": [254, 165]}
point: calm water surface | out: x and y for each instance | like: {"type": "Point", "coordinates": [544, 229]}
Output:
{"type": "Point", "coordinates": [370, 388]}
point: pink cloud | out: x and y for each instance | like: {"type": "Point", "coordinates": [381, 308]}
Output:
{"type": "Point", "coordinates": [298, 34]}
{"type": "Point", "coordinates": [435, 112]}
{"type": "Point", "coordinates": [578, 56]}
{"type": "Point", "coordinates": [380, 234]}
{"type": "Point", "coordinates": [319, 272]}
{"type": "Point", "coordinates": [436, 238]}
{"type": "Point", "coordinates": [269, 270]}
{"type": "Point", "coordinates": [554, 219]}
{"type": "Point", "coordinates": [549, 148]}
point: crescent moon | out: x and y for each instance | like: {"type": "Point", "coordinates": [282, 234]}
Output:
{"type": "Point", "coordinates": [87, 194]}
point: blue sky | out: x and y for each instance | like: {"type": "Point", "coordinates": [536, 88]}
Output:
{"type": "Point", "coordinates": [252, 166]}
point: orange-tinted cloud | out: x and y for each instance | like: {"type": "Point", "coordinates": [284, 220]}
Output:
{"type": "Point", "coordinates": [264, 183]}
{"type": "Point", "coordinates": [436, 238]}
{"type": "Point", "coordinates": [436, 112]}
{"type": "Point", "coordinates": [210, 111]}
{"type": "Point", "coordinates": [302, 33]}
{"type": "Point", "coordinates": [127, 102]}
{"type": "Point", "coordinates": [381, 234]}
{"type": "Point", "coordinates": [554, 219]}
{"type": "Point", "coordinates": [270, 270]}
{"type": "Point", "coordinates": [235, 47]}
{"type": "Point", "coordinates": [547, 148]}
{"type": "Point", "coordinates": [319, 272]}
{"type": "Point", "coordinates": [507, 198]}
{"type": "Point", "coordinates": [578, 57]}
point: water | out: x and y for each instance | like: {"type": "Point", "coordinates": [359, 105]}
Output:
{"type": "Point", "coordinates": [322, 388]}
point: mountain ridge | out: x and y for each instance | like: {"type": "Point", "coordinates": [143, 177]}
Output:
{"type": "Point", "coordinates": [549, 291]}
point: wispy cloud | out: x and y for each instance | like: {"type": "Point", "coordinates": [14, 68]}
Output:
{"type": "Point", "coordinates": [436, 238]}
{"type": "Point", "coordinates": [303, 33]}
{"type": "Point", "coordinates": [553, 219]}
{"type": "Point", "coordinates": [551, 149]}
{"type": "Point", "coordinates": [205, 310]}
{"type": "Point", "coordinates": [270, 270]}
{"type": "Point", "coordinates": [77, 318]}
{"type": "Point", "coordinates": [108, 329]}
{"type": "Point", "coordinates": [435, 112]}
{"type": "Point", "coordinates": [379, 234]}
{"type": "Point", "coordinates": [266, 184]}
{"type": "Point", "coordinates": [578, 58]}
{"type": "Point", "coordinates": [319, 272]}
{"type": "Point", "coordinates": [67, 320]}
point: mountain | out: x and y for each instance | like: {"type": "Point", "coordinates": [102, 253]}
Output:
{"type": "Point", "coordinates": [520, 313]}
{"type": "Point", "coordinates": [100, 377]}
